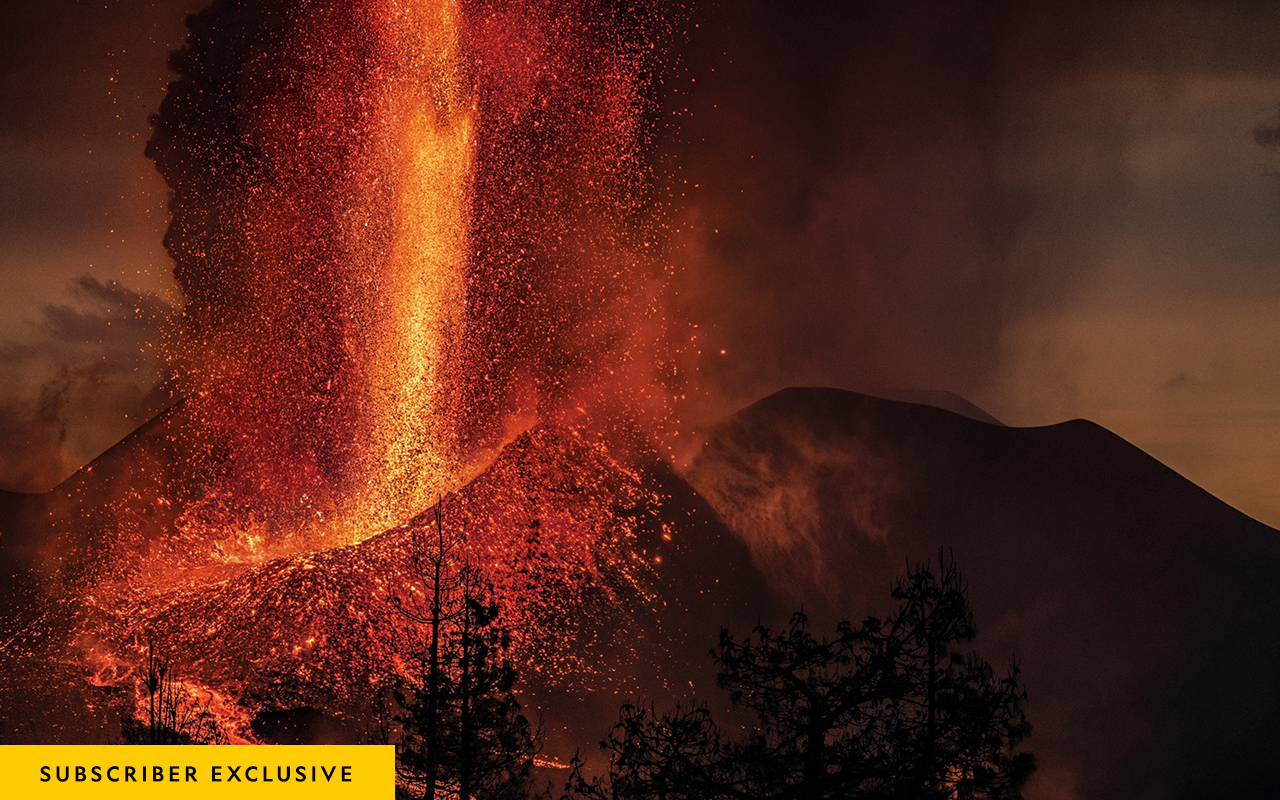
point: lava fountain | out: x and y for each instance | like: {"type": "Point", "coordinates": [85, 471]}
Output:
{"type": "Point", "coordinates": [404, 228]}
{"type": "Point", "coordinates": [419, 245]}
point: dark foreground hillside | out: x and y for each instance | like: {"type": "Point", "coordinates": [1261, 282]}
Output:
{"type": "Point", "coordinates": [1144, 612]}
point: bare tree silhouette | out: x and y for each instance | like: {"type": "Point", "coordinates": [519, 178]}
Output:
{"type": "Point", "coordinates": [173, 716]}
{"type": "Point", "coordinates": [461, 730]}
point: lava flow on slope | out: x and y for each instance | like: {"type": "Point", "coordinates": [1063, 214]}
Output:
{"type": "Point", "coordinates": [407, 231]}
{"type": "Point", "coordinates": [565, 533]}
{"type": "Point", "coordinates": [613, 577]}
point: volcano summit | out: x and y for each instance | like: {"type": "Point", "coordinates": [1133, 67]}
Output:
{"type": "Point", "coordinates": [426, 253]}
{"type": "Point", "coordinates": [1097, 567]}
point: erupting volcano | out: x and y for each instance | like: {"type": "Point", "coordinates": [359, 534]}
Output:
{"type": "Point", "coordinates": [426, 250]}
{"type": "Point", "coordinates": [406, 230]}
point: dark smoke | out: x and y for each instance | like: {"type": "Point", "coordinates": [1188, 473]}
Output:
{"type": "Point", "coordinates": [844, 221]}
{"type": "Point", "coordinates": [880, 194]}
{"type": "Point", "coordinates": [87, 375]}
{"type": "Point", "coordinates": [281, 143]}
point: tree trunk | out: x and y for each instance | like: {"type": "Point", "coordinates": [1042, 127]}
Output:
{"type": "Point", "coordinates": [815, 742]}
{"type": "Point", "coordinates": [465, 756]}
{"type": "Point", "coordinates": [432, 731]}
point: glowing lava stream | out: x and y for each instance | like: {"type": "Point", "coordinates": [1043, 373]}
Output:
{"type": "Point", "coordinates": [406, 229]}
{"type": "Point", "coordinates": [411, 455]}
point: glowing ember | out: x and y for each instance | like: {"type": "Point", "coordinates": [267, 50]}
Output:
{"type": "Point", "coordinates": [556, 519]}
{"type": "Point", "coordinates": [410, 457]}
{"type": "Point", "coordinates": [405, 229]}
{"type": "Point", "coordinates": [408, 231]}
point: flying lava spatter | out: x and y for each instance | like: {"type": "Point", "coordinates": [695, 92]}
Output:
{"type": "Point", "coordinates": [405, 228]}
{"type": "Point", "coordinates": [420, 246]}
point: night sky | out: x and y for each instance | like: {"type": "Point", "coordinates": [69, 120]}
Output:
{"type": "Point", "coordinates": [1056, 210]}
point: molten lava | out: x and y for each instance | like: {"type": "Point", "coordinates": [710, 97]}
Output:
{"type": "Point", "coordinates": [410, 456]}
{"type": "Point", "coordinates": [406, 229]}
{"type": "Point", "coordinates": [560, 524]}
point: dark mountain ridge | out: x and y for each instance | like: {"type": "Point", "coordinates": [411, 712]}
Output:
{"type": "Point", "coordinates": [1144, 611]}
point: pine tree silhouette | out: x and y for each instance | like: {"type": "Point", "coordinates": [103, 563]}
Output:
{"type": "Point", "coordinates": [890, 708]}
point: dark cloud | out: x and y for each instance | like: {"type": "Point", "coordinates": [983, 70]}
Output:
{"type": "Point", "coordinates": [33, 433]}
{"type": "Point", "coordinates": [885, 194]}
{"type": "Point", "coordinates": [1267, 135]}
{"type": "Point", "coordinates": [114, 316]}
{"type": "Point", "coordinates": [85, 376]}
{"type": "Point", "coordinates": [844, 223]}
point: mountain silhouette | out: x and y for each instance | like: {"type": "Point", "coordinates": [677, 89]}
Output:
{"type": "Point", "coordinates": [1141, 609]}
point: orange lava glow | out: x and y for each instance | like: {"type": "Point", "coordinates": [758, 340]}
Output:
{"type": "Point", "coordinates": [410, 458]}
{"type": "Point", "coordinates": [424, 224]}
{"type": "Point", "coordinates": [560, 525]}
{"type": "Point", "coordinates": [330, 387]}
{"type": "Point", "coordinates": [420, 246]}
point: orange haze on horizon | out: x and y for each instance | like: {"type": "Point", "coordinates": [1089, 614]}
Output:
{"type": "Point", "coordinates": [1070, 221]}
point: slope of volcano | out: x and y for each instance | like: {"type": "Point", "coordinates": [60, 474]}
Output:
{"type": "Point", "coordinates": [1144, 612]}
{"type": "Point", "coordinates": [614, 580]}
{"type": "Point", "coordinates": [1141, 609]}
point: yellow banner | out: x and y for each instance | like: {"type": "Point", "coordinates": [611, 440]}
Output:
{"type": "Point", "coordinates": [193, 772]}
